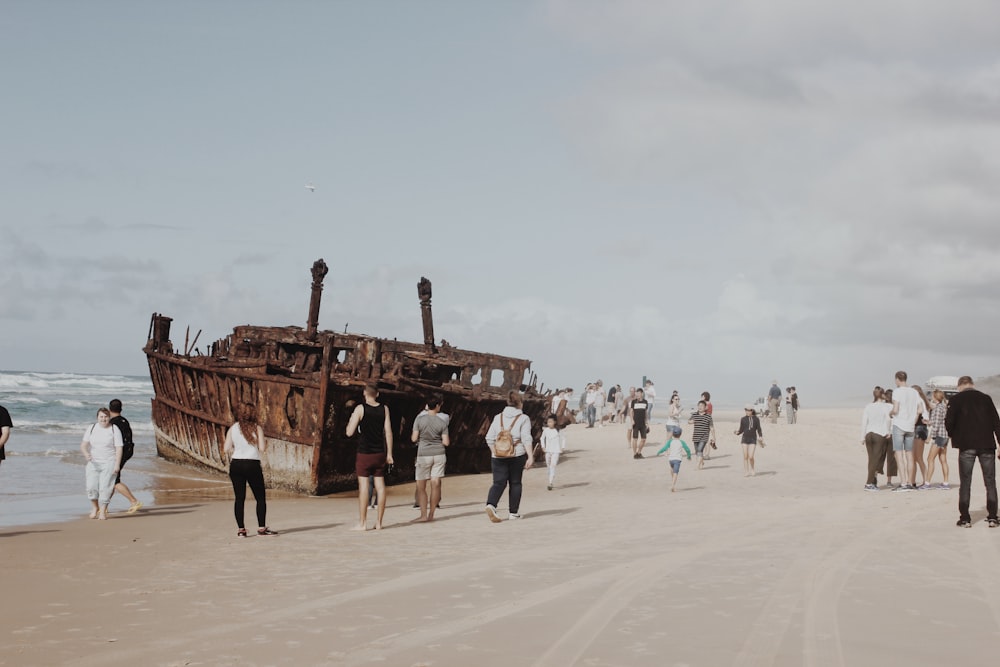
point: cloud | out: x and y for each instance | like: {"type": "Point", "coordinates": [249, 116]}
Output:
{"type": "Point", "coordinates": [848, 154]}
{"type": "Point", "coordinates": [59, 171]}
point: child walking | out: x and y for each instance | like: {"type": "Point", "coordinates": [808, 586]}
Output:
{"type": "Point", "coordinates": [674, 448]}
{"type": "Point", "coordinates": [553, 444]}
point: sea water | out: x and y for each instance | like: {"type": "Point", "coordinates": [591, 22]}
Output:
{"type": "Point", "coordinates": [43, 477]}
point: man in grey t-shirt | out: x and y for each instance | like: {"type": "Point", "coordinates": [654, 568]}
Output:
{"type": "Point", "coordinates": [430, 432]}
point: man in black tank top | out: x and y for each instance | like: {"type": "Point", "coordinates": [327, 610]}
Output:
{"type": "Point", "coordinates": [371, 421]}
{"type": "Point", "coordinates": [115, 406]}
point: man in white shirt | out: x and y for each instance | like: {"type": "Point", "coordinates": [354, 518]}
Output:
{"type": "Point", "coordinates": [650, 394]}
{"type": "Point", "coordinates": [599, 402]}
{"type": "Point", "coordinates": [907, 406]}
{"type": "Point", "coordinates": [591, 405]}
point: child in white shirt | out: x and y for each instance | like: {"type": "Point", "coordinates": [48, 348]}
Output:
{"type": "Point", "coordinates": [554, 444]}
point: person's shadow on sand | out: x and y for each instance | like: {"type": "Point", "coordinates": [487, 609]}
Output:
{"type": "Point", "coordinates": [163, 510]}
{"type": "Point", "coordinates": [565, 510]}
{"type": "Point", "coordinates": [304, 529]}
{"type": "Point", "coordinates": [978, 515]}
{"type": "Point", "coordinates": [29, 532]}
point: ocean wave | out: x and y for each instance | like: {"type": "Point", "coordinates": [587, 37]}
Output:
{"type": "Point", "coordinates": [50, 427]}
{"type": "Point", "coordinates": [51, 452]}
{"type": "Point", "coordinates": [75, 381]}
{"type": "Point", "coordinates": [71, 403]}
{"type": "Point", "coordinates": [54, 428]}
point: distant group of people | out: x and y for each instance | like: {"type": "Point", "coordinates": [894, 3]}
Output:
{"type": "Point", "coordinates": [895, 428]}
{"type": "Point", "coordinates": [898, 422]}
{"type": "Point", "coordinates": [774, 407]}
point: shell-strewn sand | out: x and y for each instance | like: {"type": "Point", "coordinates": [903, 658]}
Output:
{"type": "Point", "coordinates": [797, 566]}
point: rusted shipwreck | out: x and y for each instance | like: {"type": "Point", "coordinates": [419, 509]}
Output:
{"type": "Point", "coordinates": [305, 384]}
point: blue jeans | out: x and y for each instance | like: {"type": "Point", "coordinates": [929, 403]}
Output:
{"type": "Point", "coordinates": [591, 414]}
{"type": "Point", "coordinates": [966, 462]}
{"type": "Point", "coordinates": [902, 441]}
{"type": "Point", "coordinates": [507, 472]}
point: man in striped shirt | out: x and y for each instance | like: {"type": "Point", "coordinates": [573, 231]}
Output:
{"type": "Point", "coordinates": [704, 431]}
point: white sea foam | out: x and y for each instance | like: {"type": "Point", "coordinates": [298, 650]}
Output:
{"type": "Point", "coordinates": [74, 381]}
{"type": "Point", "coordinates": [139, 427]}
{"type": "Point", "coordinates": [50, 427]}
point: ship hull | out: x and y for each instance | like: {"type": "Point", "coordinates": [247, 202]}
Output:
{"type": "Point", "coordinates": [304, 405]}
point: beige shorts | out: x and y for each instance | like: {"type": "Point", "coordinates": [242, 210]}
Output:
{"type": "Point", "coordinates": [430, 466]}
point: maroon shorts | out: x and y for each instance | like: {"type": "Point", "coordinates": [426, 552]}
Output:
{"type": "Point", "coordinates": [366, 465]}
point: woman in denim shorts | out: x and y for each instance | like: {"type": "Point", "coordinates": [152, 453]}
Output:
{"type": "Point", "coordinates": [939, 437]}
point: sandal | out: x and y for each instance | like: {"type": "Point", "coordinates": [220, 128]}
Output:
{"type": "Point", "coordinates": [265, 531]}
{"type": "Point", "coordinates": [242, 532]}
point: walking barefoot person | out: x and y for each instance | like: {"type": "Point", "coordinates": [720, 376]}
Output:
{"type": "Point", "coordinates": [128, 448]}
{"type": "Point", "coordinates": [245, 442]}
{"type": "Point", "coordinates": [704, 432]}
{"type": "Point", "coordinates": [674, 411]}
{"type": "Point", "coordinates": [431, 434]}
{"type": "Point", "coordinates": [102, 447]}
{"type": "Point", "coordinates": [750, 430]}
{"type": "Point", "coordinates": [938, 434]}
{"type": "Point", "coordinates": [371, 420]}
{"type": "Point", "coordinates": [674, 447]}
{"type": "Point", "coordinates": [639, 412]}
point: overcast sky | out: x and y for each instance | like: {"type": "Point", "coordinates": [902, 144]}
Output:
{"type": "Point", "coordinates": [713, 194]}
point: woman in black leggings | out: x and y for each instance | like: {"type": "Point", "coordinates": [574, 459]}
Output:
{"type": "Point", "coordinates": [244, 444]}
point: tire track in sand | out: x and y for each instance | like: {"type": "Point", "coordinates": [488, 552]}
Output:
{"type": "Point", "coordinates": [813, 584]}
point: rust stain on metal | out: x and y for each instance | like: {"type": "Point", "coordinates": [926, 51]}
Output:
{"type": "Point", "coordinates": [305, 382]}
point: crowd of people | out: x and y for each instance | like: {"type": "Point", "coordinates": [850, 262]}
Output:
{"type": "Point", "coordinates": [895, 428]}
{"type": "Point", "coordinates": [897, 424]}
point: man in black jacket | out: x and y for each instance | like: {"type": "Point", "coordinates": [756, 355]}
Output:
{"type": "Point", "coordinates": [974, 427]}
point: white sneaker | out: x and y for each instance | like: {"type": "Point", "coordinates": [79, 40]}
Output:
{"type": "Point", "coordinates": [513, 516]}
{"type": "Point", "coordinates": [491, 512]}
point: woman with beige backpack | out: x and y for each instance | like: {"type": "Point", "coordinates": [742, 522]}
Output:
{"type": "Point", "coordinates": [509, 440]}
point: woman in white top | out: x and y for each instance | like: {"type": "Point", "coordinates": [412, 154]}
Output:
{"type": "Point", "coordinates": [876, 435]}
{"type": "Point", "coordinates": [674, 412]}
{"type": "Point", "coordinates": [244, 444]}
{"type": "Point", "coordinates": [102, 447]}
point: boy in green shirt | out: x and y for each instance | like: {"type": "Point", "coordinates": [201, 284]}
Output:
{"type": "Point", "coordinates": [676, 449]}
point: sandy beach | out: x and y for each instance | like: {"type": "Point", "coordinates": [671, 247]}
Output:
{"type": "Point", "coordinates": [796, 566]}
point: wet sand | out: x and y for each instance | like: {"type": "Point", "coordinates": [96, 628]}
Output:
{"type": "Point", "coordinates": [796, 566]}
